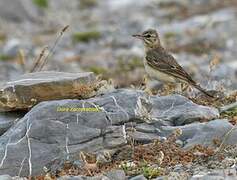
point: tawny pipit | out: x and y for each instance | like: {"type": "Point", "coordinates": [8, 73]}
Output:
{"type": "Point", "coordinates": [162, 66]}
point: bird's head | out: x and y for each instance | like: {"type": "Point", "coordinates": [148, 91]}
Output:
{"type": "Point", "coordinates": [150, 38]}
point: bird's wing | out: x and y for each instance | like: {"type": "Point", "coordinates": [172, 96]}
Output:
{"type": "Point", "coordinates": [166, 63]}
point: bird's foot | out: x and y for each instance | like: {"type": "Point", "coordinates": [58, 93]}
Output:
{"type": "Point", "coordinates": [148, 92]}
{"type": "Point", "coordinates": [145, 83]}
{"type": "Point", "coordinates": [145, 80]}
{"type": "Point", "coordinates": [181, 89]}
{"type": "Point", "coordinates": [168, 89]}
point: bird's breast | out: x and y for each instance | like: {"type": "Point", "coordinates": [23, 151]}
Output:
{"type": "Point", "coordinates": [157, 75]}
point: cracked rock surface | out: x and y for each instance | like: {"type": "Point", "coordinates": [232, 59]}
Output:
{"type": "Point", "coordinates": [112, 175]}
{"type": "Point", "coordinates": [205, 133]}
{"type": "Point", "coordinates": [178, 110]}
{"type": "Point", "coordinates": [47, 133]}
{"type": "Point", "coordinates": [54, 131]}
{"type": "Point", "coordinates": [7, 119]}
{"type": "Point", "coordinates": [29, 89]}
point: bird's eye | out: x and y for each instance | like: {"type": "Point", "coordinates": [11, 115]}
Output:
{"type": "Point", "coordinates": [148, 36]}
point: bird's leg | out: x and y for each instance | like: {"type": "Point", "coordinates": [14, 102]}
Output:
{"type": "Point", "coordinates": [145, 80]}
{"type": "Point", "coordinates": [169, 88]}
{"type": "Point", "coordinates": [181, 88]}
{"type": "Point", "coordinates": [147, 89]}
{"type": "Point", "coordinates": [178, 88]}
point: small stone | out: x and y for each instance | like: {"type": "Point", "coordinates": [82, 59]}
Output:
{"type": "Point", "coordinates": [5, 177]}
{"type": "Point", "coordinates": [116, 175]}
{"type": "Point", "coordinates": [179, 142]}
{"type": "Point", "coordinates": [139, 177]}
{"type": "Point", "coordinates": [11, 48]}
{"type": "Point", "coordinates": [71, 178]}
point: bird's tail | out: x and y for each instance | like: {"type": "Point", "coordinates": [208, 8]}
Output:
{"type": "Point", "coordinates": [203, 90]}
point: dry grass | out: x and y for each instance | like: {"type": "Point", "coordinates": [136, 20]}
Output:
{"type": "Point", "coordinates": [152, 160]}
{"type": "Point", "coordinates": [216, 102]}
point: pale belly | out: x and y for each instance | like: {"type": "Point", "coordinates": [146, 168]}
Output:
{"type": "Point", "coordinates": [157, 75]}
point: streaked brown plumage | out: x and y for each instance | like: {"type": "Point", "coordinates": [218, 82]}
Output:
{"type": "Point", "coordinates": [161, 65]}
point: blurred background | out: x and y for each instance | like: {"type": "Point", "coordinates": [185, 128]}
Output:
{"type": "Point", "coordinates": [201, 34]}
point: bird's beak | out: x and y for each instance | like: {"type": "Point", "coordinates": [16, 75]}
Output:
{"type": "Point", "coordinates": [138, 36]}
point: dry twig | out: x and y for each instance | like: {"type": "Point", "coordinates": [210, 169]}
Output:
{"type": "Point", "coordinates": [52, 49]}
{"type": "Point", "coordinates": [227, 135]}
{"type": "Point", "coordinates": [40, 62]}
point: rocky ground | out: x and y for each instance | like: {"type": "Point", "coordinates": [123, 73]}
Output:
{"type": "Point", "coordinates": [65, 122]}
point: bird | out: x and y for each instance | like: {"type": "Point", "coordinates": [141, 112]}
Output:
{"type": "Point", "coordinates": [161, 65]}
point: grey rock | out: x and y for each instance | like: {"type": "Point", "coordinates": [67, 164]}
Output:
{"type": "Point", "coordinates": [146, 128]}
{"type": "Point", "coordinates": [205, 133]}
{"type": "Point", "coordinates": [175, 175]}
{"type": "Point", "coordinates": [161, 178]}
{"type": "Point", "coordinates": [228, 107]}
{"type": "Point", "coordinates": [178, 168]}
{"type": "Point", "coordinates": [11, 48]}
{"type": "Point", "coordinates": [9, 71]}
{"type": "Point", "coordinates": [84, 178]}
{"type": "Point", "coordinates": [179, 110]}
{"type": "Point", "coordinates": [29, 89]}
{"type": "Point", "coordinates": [207, 177]}
{"type": "Point", "coordinates": [224, 74]}
{"type": "Point", "coordinates": [45, 136]}
{"type": "Point", "coordinates": [5, 177]}
{"type": "Point", "coordinates": [14, 45]}
{"type": "Point", "coordinates": [143, 137]}
{"type": "Point", "coordinates": [168, 111]}
{"type": "Point", "coordinates": [98, 178]}
{"type": "Point", "coordinates": [71, 178]}
{"type": "Point", "coordinates": [116, 175]}
{"type": "Point", "coordinates": [54, 131]}
{"type": "Point", "coordinates": [8, 119]}
{"type": "Point", "coordinates": [19, 10]}
{"type": "Point", "coordinates": [179, 142]}
{"type": "Point", "coordinates": [225, 174]}
{"type": "Point", "coordinates": [139, 177]}
{"type": "Point", "coordinates": [19, 178]}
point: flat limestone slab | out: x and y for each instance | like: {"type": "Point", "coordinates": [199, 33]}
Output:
{"type": "Point", "coordinates": [32, 88]}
